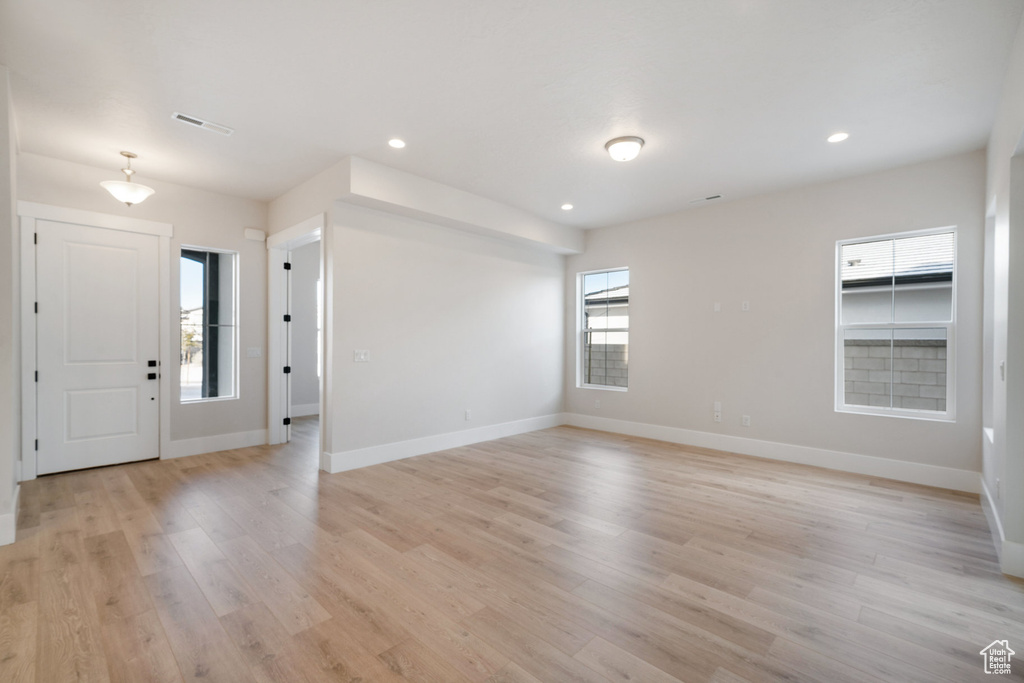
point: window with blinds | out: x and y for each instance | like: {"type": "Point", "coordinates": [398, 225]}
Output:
{"type": "Point", "coordinates": [895, 324]}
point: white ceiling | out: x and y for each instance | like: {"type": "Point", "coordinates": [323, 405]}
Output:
{"type": "Point", "coordinates": [510, 100]}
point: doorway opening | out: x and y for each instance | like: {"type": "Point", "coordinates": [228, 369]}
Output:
{"type": "Point", "coordinates": [296, 340]}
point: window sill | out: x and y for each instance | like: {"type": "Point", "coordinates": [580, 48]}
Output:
{"type": "Point", "coordinates": [926, 415]}
{"type": "Point", "coordinates": [601, 387]}
{"type": "Point", "coordinates": [216, 399]}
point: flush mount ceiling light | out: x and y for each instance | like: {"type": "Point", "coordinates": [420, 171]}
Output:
{"type": "Point", "coordinates": [396, 143]}
{"type": "Point", "coordinates": [566, 207]}
{"type": "Point", "coordinates": [125, 190]}
{"type": "Point", "coordinates": [625, 148]}
{"type": "Point", "coordinates": [838, 137]}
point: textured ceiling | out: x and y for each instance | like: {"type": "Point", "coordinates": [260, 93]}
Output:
{"type": "Point", "coordinates": [510, 100]}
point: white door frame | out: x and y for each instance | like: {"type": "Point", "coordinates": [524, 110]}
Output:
{"type": "Point", "coordinates": [278, 301]}
{"type": "Point", "coordinates": [30, 213]}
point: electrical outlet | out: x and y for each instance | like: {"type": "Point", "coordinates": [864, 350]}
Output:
{"type": "Point", "coordinates": [469, 415]}
{"type": "Point", "coordinates": [718, 416]}
{"type": "Point", "coordinates": [360, 356]}
{"type": "Point", "coordinates": [746, 420]}
{"type": "Point", "coordinates": [745, 306]}
{"type": "Point", "coordinates": [254, 352]}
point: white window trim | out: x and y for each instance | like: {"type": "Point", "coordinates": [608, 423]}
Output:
{"type": "Point", "coordinates": [236, 371]}
{"type": "Point", "coordinates": [580, 384]}
{"type": "Point", "coordinates": [840, 329]}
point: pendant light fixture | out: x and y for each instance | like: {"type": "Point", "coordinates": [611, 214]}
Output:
{"type": "Point", "coordinates": [625, 148]}
{"type": "Point", "coordinates": [125, 190]}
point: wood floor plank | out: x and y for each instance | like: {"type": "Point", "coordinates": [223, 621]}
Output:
{"type": "Point", "coordinates": [616, 664]}
{"type": "Point", "coordinates": [225, 590]}
{"type": "Point", "coordinates": [137, 650]}
{"type": "Point", "coordinates": [286, 599]}
{"type": "Point", "coordinates": [328, 656]}
{"type": "Point", "coordinates": [152, 550]}
{"type": "Point", "coordinates": [200, 645]}
{"type": "Point", "coordinates": [353, 610]}
{"type": "Point", "coordinates": [116, 585]}
{"type": "Point", "coordinates": [535, 656]}
{"type": "Point", "coordinates": [96, 513]}
{"type": "Point", "coordinates": [69, 645]}
{"type": "Point", "coordinates": [264, 644]}
{"type": "Point", "coordinates": [18, 625]}
{"type": "Point", "coordinates": [558, 555]}
{"type": "Point", "coordinates": [19, 573]}
{"type": "Point", "coordinates": [513, 673]}
{"type": "Point", "coordinates": [414, 661]}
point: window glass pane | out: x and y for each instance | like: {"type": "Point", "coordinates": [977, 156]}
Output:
{"type": "Point", "coordinates": [867, 373]}
{"type": "Point", "coordinates": [191, 355]}
{"type": "Point", "coordinates": [866, 273]}
{"type": "Point", "coordinates": [924, 278]}
{"type": "Point", "coordinates": [207, 352]}
{"type": "Point", "coordinates": [605, 352]}
{"type": "Point", "coordinates": [919, 369]}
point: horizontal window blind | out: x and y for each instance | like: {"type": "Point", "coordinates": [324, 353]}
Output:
{"type": "Point", "coordinates": [906, 257]}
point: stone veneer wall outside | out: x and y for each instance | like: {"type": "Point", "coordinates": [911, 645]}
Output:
{"type": "Point", "coordinates": [916, 368]}
{"type": "Point", "coordinates": [608, 364]}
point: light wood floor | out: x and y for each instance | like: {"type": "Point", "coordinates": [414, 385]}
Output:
{"type": "Point", "coordinates": [562, 555]}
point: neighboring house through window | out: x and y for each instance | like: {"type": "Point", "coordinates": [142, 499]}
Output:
{"type": "Point", "coordinates": [209, 343]}
{"type": "Point", "coordinates": [896, 324]}
{"type": "Point", "coordinates": [604, 329]}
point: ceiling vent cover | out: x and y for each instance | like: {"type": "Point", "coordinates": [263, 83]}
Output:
{"type": "Point", "coordinates": [200, 123]}
{"type": "Point", "coordinates": [706, 199]}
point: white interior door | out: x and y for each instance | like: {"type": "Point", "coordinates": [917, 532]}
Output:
{"type": "Point", "coordinates": [98, 346]}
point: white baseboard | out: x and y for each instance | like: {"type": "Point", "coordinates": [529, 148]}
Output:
{"type": "Point", "coordinates": [219, 442]}
{"type": "Point", "coordinates": [375, 455]}
{"type": "Point", "coordinates": [1011, 559]}
{"type": "Point", "coordinates": [901, 470]}
{"type": "Point", "coordinates": [1011, 554]}
{"type": "Point", "coordinates": [9, 520]}
{"type": "Point", "coordinates": [304, 409]}
{"type": "Point", "coordinates": [995, 525]}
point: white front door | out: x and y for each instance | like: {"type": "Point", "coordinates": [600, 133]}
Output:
{"type": "Point", "coordinates": [98, 345]}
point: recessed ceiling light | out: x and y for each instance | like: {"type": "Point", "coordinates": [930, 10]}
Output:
{"type": "Point", "coordinates": [838, 137]}
{"type": "Point", "coordinates": [566, 207]}
{"type": "Point", "coordinates": [625, 148]}
{"type": "Point", "coordinates": [396, 143]}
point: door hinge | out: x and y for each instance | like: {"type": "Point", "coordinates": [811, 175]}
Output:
{"type": "Point", "coordinates": [37, 444]}
{"type": "Point", "coordinates": [37, 307]}
{"type": "Point", "coordinates": [37, 375]}
{"type": "Point", "coordinates": [287, 420]}
{"type": "Point", "coordinates": [35, 238]}
{"type": "Point", "coordinates": [287, 266]}
{"type": "Point", "coordinates": [287, 369]}
{"type": "Point", "coordinates": [287, 318]}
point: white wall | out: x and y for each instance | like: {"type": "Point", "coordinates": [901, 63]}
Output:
{"type": "Point", "coordinates": [452, 321]}
{"type": "Point", "coordinates": [201, 219]}
{"type": "Point", "coordinates": [10, 358]}
{"type": "Point", "coordinates": [776, 361]}
{"type": "Point", "coordinates": [305, 273]}
{"type": "Point", "coordinates": [1004, 459]}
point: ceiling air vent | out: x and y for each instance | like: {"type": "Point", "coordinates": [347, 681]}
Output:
{"type": "Point", "coordinates": [199, 123]}
{"type": "Point", "coordinates": [706, 199]}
